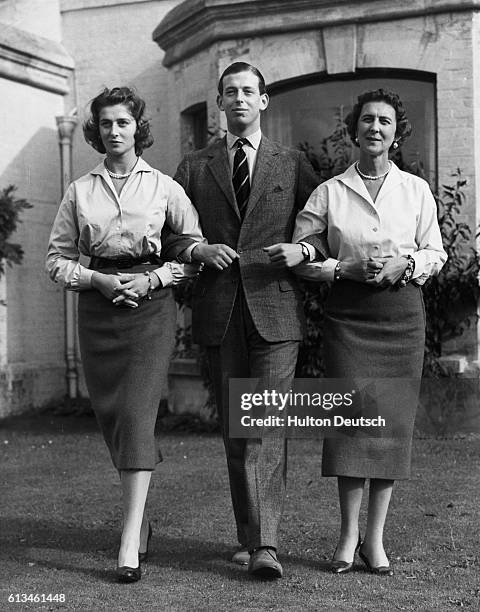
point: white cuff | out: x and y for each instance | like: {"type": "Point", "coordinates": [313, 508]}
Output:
{"type": "Point", "coordinates": [165, 275]}
{"type": "Point", "coordinates": [86, 278]}
{"type": "Point", "coordinates": [328, 268]}
{"type": "Point", "coordinates": [311, 250]}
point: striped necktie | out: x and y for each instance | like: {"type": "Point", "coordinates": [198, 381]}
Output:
{"type": "Point", "coordinates": [240, 178]}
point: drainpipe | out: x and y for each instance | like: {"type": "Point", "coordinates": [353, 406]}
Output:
{"type": "Point", "coordinates": [66, 126]}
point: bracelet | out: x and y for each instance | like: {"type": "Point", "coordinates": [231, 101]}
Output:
{"type": "Point", "coordinates": [409, 270]}
{"type": "Point", "coordinates": [337, 272]}
{"type": "Point", "coordinates": [150, 285]}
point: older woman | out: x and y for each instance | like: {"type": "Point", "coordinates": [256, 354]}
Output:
{"type": "Point", "coordinates": [127, 315]}
{"type": "Point", "coordinates": [384, 242]}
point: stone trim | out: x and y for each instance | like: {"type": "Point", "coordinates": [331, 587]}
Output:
{"type": "Point", "coordinates": [67, 6]}
{"type": "Point", "coordinates": [34, 60]}
{"type": "Point", "coordinates": [196, 24]}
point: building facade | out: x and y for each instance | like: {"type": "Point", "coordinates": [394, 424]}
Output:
{"type": "Point", "coordinates": [35, 75]}
{"type": "Point", "coordinates": [316, 56]}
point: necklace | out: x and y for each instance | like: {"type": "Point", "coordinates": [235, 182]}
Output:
{"type": "Point", "coordinates": [367, 177]}
{"type": "Point", "coordinates": [118, 176]}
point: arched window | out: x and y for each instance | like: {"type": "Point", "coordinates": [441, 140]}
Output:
{"type": "Point", "coordinates": [304, 113]}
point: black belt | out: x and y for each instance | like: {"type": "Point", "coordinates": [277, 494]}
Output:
{"type": "Point", "coordinates": [122, 262]}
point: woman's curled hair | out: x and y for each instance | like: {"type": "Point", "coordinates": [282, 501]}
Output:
{"type": "Point", "coordinates": [136, 107]}
{"type": "Point", "coordinates": [404, 127]}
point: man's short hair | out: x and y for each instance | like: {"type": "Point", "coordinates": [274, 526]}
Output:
{"type": "Point", "coordinates": [243, 67]}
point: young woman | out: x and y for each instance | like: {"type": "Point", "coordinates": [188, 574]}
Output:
{"type": "Point", "coordinates": [126, 315]}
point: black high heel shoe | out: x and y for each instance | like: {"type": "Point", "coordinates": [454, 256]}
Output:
{"type": "Point", "coordinates": [143, 556]}
{"type": "Point", "coordinates": [128, 574]}
{"type": "Point", "coordinates": [379, 570]}
{"type": "Point", "coordinates": [342, 567]}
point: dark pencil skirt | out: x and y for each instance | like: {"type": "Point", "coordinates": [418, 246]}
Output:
{"type": "Point", "coordinates": [125, 354]}
{"type": "Point", "coordinates": [375, 334]}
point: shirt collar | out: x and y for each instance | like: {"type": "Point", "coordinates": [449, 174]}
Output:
{"type": "Point", "coordinates": [352, 179]}
{"type": "Point", "coordinates": [351, 172]}
{"type": "Point", "coordinates": [253, 139]}
{"type": "Point", "coordinates": [140, 166]}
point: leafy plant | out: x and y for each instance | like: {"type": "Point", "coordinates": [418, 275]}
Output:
{"type": "Point", "coordinates": [452, 296]}
{"type": "Point", "coordinates": [186, 349]}
{"type": "Point", "coordinates": [336, 150]}
{"type": "Point", "coordinates": [10, 210]}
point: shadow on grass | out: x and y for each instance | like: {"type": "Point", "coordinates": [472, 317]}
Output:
{"type": "Point", "coordinates": [49, 545]}
{"type": "Point", "coordinates": [49, 424]}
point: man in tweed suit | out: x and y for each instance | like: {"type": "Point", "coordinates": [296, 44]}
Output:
{"type": "Point", "coordinates": [247, 307]}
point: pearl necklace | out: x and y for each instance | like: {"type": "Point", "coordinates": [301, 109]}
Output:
{"type": "Point", "coordinates": [367, 177]}
{"type": "Point", "coordinates": [118, 176]}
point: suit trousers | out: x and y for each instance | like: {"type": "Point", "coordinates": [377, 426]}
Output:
{"type": "Point", "coordinates": [256, 467]}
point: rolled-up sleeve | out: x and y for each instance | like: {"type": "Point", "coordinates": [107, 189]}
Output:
{"type": "Point", "coordinates": [62, 257]}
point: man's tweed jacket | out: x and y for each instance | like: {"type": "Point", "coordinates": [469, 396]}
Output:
{"type": "Point", "coordinates": [282, 182]}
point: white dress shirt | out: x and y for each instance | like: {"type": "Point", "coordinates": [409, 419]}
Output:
{"type": "Point", "coordinates": [93, 220]}
{"type": "Point", "coordinates": [251, 150]}
{"type": "Point", "coordinates": [401, 221]}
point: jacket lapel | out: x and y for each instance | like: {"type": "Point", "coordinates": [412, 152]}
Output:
{"type": "Point", "coordinates": [262, 174]}
{"type": "Point", "coordinates": [220, 169]}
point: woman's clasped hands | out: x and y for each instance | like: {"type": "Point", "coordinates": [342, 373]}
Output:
{"type": "Point", "coordinates": [379, 271]}
{"type": "Point", "coordinates": [123, 289]}
{"type": "Point", "coordinates": [127, 289]}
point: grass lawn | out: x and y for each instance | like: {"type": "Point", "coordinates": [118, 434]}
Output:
{"type": "Point", "coordinates": [60, 524]}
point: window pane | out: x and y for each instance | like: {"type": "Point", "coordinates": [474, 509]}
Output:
{"type": "Point", "coordinates": [307, 114]}
{"type": "Point", "coordinates": [194, 127]}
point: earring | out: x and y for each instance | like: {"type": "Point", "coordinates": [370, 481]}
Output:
{"type": "Point", "coordinates": [395, 145]}
{"type": "Point", "coordinates": [356, 140]}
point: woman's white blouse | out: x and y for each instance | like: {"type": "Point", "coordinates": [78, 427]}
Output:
{"type": "Point", "coordinates": [402, 221]}
{"type": "Point", "coordinates": [93, 220]}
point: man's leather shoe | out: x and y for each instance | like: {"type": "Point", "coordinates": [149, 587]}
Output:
{"type": "Point", "coordinates": [241, 556]}
{"type": "Point", "coordinates": [264, 564]}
